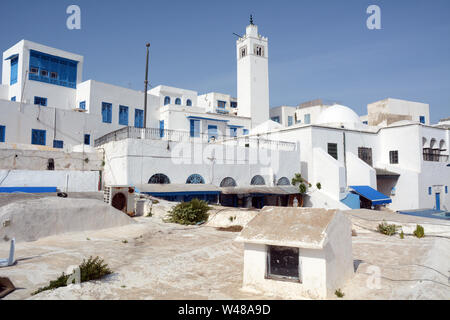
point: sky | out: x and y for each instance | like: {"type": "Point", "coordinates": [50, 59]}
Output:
{"type": "Point", "coordinates": [317, 48]}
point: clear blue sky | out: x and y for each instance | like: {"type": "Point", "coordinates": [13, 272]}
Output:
{"type": "Point", "coordinates": [317, 48]}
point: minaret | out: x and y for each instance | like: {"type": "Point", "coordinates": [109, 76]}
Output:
{"type": "Point", "coordinates": [253, 75]}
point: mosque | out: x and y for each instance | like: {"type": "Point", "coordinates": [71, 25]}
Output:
{"type": "Point", "coordinates": [236, 151]}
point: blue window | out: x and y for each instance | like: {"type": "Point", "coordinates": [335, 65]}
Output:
{"type": "Point", "coordinates": [276, 119]}
{"type": "Point", "coordinates": [365, 122]}
{"type": "Point", "coordinates": [106, 112]}
{"type": "Point", "coordinates": [244, 131]}
{"type": "Point", "coordinates": [430, 191]}
{"type": "Point", "coordinates": [14, 68]}
{"type": "Point", "coordinates": [161, 128]}
{"type": "Point", "coordinates": [212, 132]}
{"type": "Point", "coordinates": [2, 133]}
{"type": "Point", "coordinates": [87, 139]}
{"type": "Point", "coordinates": [38, 137]}
{"type": "Point", "coordinates": [123, 115]}
{"type": "Point", "coordinates": [290, 121]}
{"type": "Point", "coordinates": [138, 118]}
{"type": "Point", "coordinates": [422, 119]}
{"type": "Point", "coordinates": [166, 100]}
{"type": "Point", "coordinates": [221, 104]}
{"type": "Point", "coordinates": [446, 189]}
{"type": "Point", "coordinates": [195, 179]}
{"type": "Point", "coordinates": [195, 128]}
{"type": "Point", "coordinates": [59, 144]}
{"type": "Point", "coordinates": [40, 101]}
{"type": "Point", "coordinates": [13, 98]}
{"type": "Point", "coordinates": [83, 105]}
{"type": "Point", "coordinates": [307, 119]}
{"type": "Point", "coordinates": [233, 104]}
{"type": "Point", "coordinates": [52, 69]}
{"type": "Point", "coordinates": [233, 132]}
{"type": "Point", "coordinates": [178, 101]}
{"type": "Point", "coordinates": [189, 102]}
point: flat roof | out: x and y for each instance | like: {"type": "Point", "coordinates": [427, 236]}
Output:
{"type": "Point", "coordinates": [290, 227]}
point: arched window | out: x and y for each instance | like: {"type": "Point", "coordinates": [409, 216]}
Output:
{"type": "Point", "coordinates": [189, 102]}
{"type": "Point", "coordinates": [159, 178]}
{"type": "Point", "coordinates": [195, 179]}
{"type": "Point", "coordinates": [228, 182]}
{"type": "Point", "coordinates": [257, 181]}
{"type": "Point", "coordinates": [166, 100]}
{"type": "Point", "coordinates": [442, 145]}
{"type": "Point", "coordinates": [178, 101]}
{"type": "Point", "coordinates": [283, 182]}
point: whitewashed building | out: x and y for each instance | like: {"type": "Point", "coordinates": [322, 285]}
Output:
{"type": "Point", "coordinates": [393, 150]}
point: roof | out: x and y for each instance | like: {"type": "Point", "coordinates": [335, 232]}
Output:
{"type": "Point", "coordinates": [292, 227]}
{"type": "Point", "coordinates": [386, 173]}
{"type": "Point", "coordinates": [281, 190]}
{"type": "Point", "coordinates": [371, 194]}
{"type": "Point", "coordinates": [160, 189]}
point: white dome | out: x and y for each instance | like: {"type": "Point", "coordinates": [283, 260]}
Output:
{"type": "Point", "coordinates": [338, 115]}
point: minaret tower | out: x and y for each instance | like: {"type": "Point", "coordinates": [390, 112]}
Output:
{"type": "Point", "coordinates": [253, 75]}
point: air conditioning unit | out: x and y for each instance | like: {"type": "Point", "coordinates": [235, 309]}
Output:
{"type": "Point", "coordinates": [121, 198]}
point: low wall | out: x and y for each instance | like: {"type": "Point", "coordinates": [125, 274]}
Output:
{"type": "Point", "coordinates": [68, 181]}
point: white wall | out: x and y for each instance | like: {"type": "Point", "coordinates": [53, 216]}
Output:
{"type": "Point", "coordinates": [360, 173]}
{"type": "Point", "coordinates": [67, 181]}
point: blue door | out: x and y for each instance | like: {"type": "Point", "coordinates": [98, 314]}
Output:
{"type": "Point", "coordinates": [438, 201]}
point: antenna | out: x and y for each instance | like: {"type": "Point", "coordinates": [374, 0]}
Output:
{"type": "Point", "coordinates": [237, 35]}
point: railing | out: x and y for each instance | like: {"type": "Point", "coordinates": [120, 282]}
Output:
{"type": "Point", "coordinates": [185, 136]}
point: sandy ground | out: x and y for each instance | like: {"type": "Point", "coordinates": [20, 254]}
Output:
{"type": "Point", "coordinates": [168, 261]}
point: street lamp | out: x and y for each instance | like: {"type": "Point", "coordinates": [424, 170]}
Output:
{"type": "Point", "coordinates": [146, 86]}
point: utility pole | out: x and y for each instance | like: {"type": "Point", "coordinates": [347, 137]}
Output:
{"type": "Point", "coordinates": [146, 87]}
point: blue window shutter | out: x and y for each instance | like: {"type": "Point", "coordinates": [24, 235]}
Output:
{"type": "Point", "coordinates": [59, 144]}
{"type": "Point", "coordinates": [446, 189]}
{"type": "Point", "coordinates": [189, 102]}
{"type": "Point", "coordinates": [233, 132]}
{"type": "Point", "coordinates": [14, 70]}
{"type": "Point", "coordinates": [38, 137]}
{"type": "Point", "coordinates": [161, 128]}
{"type": "Point", "coordinates": [106, 112]}
{"type": "Point", "coordinates": [166, 100]}
{"type": "Point", "coordinates": [138, 118]}
{"type": "Point", "coordinates": [83, 105]}
{"type": "Point", "coordinates": [59, 71]}
{"type": "Point", "coordinates": [87, 139]}
{"type": "Point", "coordinates": [245, 131]}
{"type": "Point", "coordinates": [123, 115]}
{"type": "Point", "coordinates": [422, 119]}
{"type": "Point", "coordinates": [178, 101]}
{"type": "Point", "coordinates": [429, 191]}
{"type": "Point", "coordinates": [13, 98]}
{"type": "Point", "coordinates": [2, 133]}
{"type": "Point", "coordinates": [195, 128]}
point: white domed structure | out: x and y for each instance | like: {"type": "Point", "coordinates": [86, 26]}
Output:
{"type": "Point", "coordinates": [339, 116]}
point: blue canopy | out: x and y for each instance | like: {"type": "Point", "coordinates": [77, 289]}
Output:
{"type": "Point", "coordinates": [371, 194]}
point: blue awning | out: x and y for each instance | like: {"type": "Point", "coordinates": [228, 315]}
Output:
{"type": "Point", "coordinates": [371, 194]}
{"type": "Point", "coordinates": [12, 57]}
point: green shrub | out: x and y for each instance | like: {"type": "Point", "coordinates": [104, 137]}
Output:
{"type": "Point", "coordinates": [189, 213]}
{"type": "Point", "coordinates": [387, 229]}
{"type": "Point", "coordinates": [339, 293]}
{"type": "Point", "coordinates": [92, 269]}
{"type": "Point", "coordinates": [302, 188]}
{"type": "Point", "coordinates": [154, 201]}
{"type": "Point", "coordinates": [419, 232]}
{"type": "Point", "coordinates": [402, 235]}
{"type": "Point", "coordinates": [319, 185]}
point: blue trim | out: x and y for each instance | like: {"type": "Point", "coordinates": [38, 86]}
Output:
{"type": "Point", "coordinates": [46, 65]}
{"type": "Point", "coordinates": [161, 128]}
{"type": "Point", "coordinates": [106, 112]}
{"type": "Point", "coordinates": [194, 128]}
{"type": "Point", "coordinates": [38, 137]}
{"type": "Point", "coordinates": [430, 191]}
{"type": "Point", "coordinates": [178, 101]}
{"type": "Point", "coordinates": [203, 118]}
{"type": "Point", "coordinates": [422, 119]}
{"type": "Point", "coordinates": [40, 101]}
{"type": "Point", "coordinates": [82, 105]}
{"type": "Point", "coordinates": [12, 56]}
{"type": "Point", "coordinates": [233, 126]}
{"type": "Point", "coordinates": [371, 194]}
{"type": "Point", "coordinates": [28, 189]}
{"type": "Point", "coordinates": [13, 98]}
{"type": "Point", "coordinates": [123, 115]}
{"type": "Point", "coordinates": [14, 70]}
{"type": "Point", "coordinates": [58, 144]}
{"type": "Point", "coordinates": [189, 102]}
{"type": "Point", "coordinates": [138, 118]}
{"type": "Point", "coordinates": [2, 133]}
